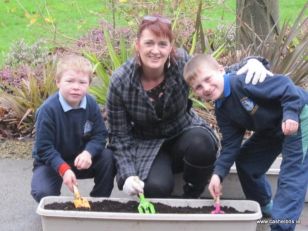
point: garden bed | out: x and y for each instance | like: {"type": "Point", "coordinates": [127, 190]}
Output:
{"type": "Point", "coordinates": [65, 220]}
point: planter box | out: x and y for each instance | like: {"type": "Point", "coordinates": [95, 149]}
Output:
{"type": "Point", "coordinates": [232, 188]}
{"type": "Point", "coordinates": [54, 220]}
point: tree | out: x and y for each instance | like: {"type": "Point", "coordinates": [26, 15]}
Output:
{"type": "Point", "coordinates": [255, 19]}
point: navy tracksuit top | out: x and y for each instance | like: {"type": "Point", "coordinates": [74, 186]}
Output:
{"type": "Point", "coordinates": [260, 108]}
{"type": "Point", "coordinates": [61, 136]}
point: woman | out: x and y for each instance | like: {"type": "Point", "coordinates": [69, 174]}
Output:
{"type": "Point", "coordinates": [154, 132]}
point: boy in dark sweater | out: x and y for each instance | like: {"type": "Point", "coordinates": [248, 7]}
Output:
{"type": "Point", "coordinates": [277, 111]}
{"type": "Point", "coordinates": [71, 136]}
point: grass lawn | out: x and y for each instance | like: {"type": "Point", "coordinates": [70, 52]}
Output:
{"type": "Point", "coordinates": [33, 19]}
{"type": "Point", "coordinates": [288, 10]}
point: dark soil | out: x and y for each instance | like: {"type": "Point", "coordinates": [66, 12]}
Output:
{"type": "Point", "coordinates": [131, 207]}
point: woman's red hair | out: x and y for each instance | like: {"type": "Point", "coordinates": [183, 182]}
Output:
{"type": "Point", "coordinates": [159, 28]}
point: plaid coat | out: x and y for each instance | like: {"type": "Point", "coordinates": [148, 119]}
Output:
{"type": "Point", "coordinates": [136, 132]}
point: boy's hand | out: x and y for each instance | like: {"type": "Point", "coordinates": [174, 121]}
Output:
{"type": "Point", "coordinates": [256, 72]}
{"type": "Point", "coordinates": [83, 160]}
{"type": "Point", "coordinates": [69, 179]}
{"type": "Point", "coordinates": [215, 186]}
{"type": "Point", "coordinates": [289, 127]}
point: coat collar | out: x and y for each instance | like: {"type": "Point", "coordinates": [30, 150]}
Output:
{"type": "Point", "coordinates": [170, 74]}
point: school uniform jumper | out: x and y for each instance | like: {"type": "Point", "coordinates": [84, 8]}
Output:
{"type": "Point", "coordinates": [62, 133]}
{"type": "Point", "coordinates": [262, 108]}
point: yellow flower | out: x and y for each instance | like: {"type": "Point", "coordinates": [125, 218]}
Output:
{"type": "Point", "coordinates": [49, 20]}
{"type": "Point", "coordinates": [31, 17]}
{"type": "Point", "coordinates": [33, 20]}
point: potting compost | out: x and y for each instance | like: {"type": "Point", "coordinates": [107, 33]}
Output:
{"type": "Point", "coordinates": [132, 207]}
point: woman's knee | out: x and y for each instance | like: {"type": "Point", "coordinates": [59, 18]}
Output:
{"type": "Point", "coordinates": [156, 188]}
{"type": "Point", "coordinates": [202, 148]}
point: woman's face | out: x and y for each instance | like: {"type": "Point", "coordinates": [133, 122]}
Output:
{"type": "Point", "coordinates": [153, 50]}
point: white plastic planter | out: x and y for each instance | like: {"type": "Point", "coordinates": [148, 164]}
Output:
{"type": "Point", "coordinates": [55, 220]}
{"type": "Point", "coordinates": [232, 188]}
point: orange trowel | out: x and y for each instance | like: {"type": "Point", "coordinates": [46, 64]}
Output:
{"type": "Point", "coordinates": [79, 201]}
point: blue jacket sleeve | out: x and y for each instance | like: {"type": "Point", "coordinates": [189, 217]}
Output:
{"type": "Point", "coordinates": [45, 133]}
{"type": "Point", "coordinates": [235, 67]}
{"type": "Point", "coordinates": [232, 137]}
{"type": "Point", "coordinates": [281, 89]}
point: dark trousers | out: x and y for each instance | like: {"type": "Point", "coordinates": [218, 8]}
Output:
{"type": "Point", "coordinates": [193, 152]}
{"type": "Point", "coordinates": [47, 182]}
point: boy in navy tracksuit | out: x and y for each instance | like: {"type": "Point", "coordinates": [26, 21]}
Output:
{"type": "Point", "coordinates": [277, 111]}
{"type": "Point", "coordinates": [71, 136]}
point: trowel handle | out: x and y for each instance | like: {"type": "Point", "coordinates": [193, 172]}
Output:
{"type": "Point", "coordinates": [217, 200]}
{"type": "Point", "coordinates": [76, 191]}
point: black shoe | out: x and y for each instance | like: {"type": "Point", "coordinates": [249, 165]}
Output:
{"type": "Point", "coordinates": [192, 191]}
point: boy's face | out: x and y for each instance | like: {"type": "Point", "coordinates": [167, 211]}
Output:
{"type": "Point", "coordinates": [209, 83]}
{"type": "Point", "coordinates": [73, 86]}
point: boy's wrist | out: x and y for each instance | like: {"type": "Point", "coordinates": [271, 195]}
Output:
{"type": "Point", "coordinates": [63, 168]}
{"type": "Point", "coordinates": [220, 178]}
{"type": "Point", "coordinates": [219, 175]}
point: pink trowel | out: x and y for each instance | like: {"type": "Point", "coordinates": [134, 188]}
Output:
{"type": "Point", "coordinates": [217, 207]}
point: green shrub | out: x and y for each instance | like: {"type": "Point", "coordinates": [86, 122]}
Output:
{"type": "Point", "coordinates": [287, 52]}
{"type": "Point", "coordinates": [22, 53]}
{"type": "Point", "coordinates": [18, 104]}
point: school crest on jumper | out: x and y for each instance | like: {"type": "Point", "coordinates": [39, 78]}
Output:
{"type": "Point", "coordinates": [249, 105]}
{"type": "Point", "coordinates": [87, 127]}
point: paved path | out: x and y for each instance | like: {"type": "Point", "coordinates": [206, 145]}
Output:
{"type": "Point", "coordinates": [17, 208]}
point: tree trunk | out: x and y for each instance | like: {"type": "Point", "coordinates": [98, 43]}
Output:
{"type": "Point", "coordinates": [255, 20]}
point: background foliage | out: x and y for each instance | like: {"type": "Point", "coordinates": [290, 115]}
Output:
{"type": "Point", "coordinates": [63, 21]}
{"type": "Point", "coordinates": [104, 31]}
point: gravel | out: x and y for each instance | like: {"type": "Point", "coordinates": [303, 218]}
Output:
{"type": "Point", "coordinates": [16, 149]}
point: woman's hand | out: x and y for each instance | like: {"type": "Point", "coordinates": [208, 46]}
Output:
{"type": "Point", "coordinates": [83, 160]}
{"type": "Point", "coordinates": [133, 186]}
{"type": "Point", "coordinates": [256, 72]}
{"type": "Point", "coordinates": [215, 186]}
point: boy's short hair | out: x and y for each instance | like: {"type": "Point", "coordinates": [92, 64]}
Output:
{"type": "Point", "coordinates": [192, 67]}
{"type": "Point", "coordinates": [74, 62]}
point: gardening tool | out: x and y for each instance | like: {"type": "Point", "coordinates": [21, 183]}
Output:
{"type": "Point", "coordinates": [145, 206]}
{"type": "Point", "coordinates": [217, 207]}
{"type": "Point", "coordinates": [79, 201]}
